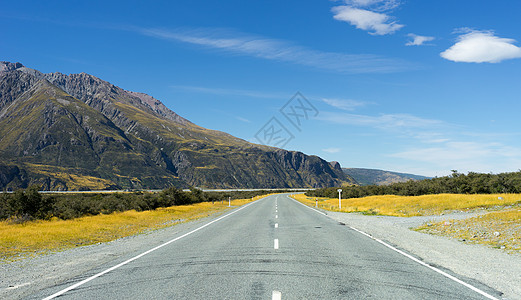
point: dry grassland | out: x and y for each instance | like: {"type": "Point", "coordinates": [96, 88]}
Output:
{"type": "Point", "coordinates": [37, 237]}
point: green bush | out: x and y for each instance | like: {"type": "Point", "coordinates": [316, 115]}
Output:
{"type": "Point", "coordinates": [457, 183]}
{"type": "Point", "coordinates": [30, 204]}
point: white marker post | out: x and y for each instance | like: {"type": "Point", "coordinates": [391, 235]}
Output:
{"type": "Point", "coordinates": [316, 204]}
{"type": "Point", "coordinates": [339, 199]}
{"type": "Point", "coordinates": [229, 201]}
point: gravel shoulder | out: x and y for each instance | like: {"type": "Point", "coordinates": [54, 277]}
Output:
{"type": "Point", "coordinates": [493, 267]}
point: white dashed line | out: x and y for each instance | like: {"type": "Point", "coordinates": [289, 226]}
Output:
{"type": "Point", "coordinates": [276, 295]}
{"type": "Point", "coordinates": [74, 286]}
{"type": "Point", "coordinates": [276, 216]}
{"type": "Point", "coordinates": [276, 225]}
{"type": "Point", "coordinates": [276, 244]}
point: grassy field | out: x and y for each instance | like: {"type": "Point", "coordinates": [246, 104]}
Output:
{"type": "Point", "coordinates": [408, 206]}
{"type": "Point", "coordinates": [501, 229]}
{"type": "Point", "coordinates": [37, 237]}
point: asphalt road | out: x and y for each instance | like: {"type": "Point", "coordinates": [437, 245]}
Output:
{"type": "Point", "coordinates": [274, 248]}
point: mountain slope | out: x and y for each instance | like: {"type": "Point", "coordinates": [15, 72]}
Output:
{"type": "Point", "coordinates": [379, 177]}
{"type": "Point", "coordinates": [80, 132]}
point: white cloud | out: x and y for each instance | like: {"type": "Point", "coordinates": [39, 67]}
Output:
{"type": "Point", "coordinates": [332, 150]}
{"type": "Point", "coordinates": [418, 40]}
{"type": "Point", "coordinates": [279, 50]}
{"type": "Point", "coordinates": [374, 22]}
{"type": "Point", "coordinates": [482, 46]}
{"type": "Point", "coordinates": [383, 121]}
{"type": "Point", "coordinates": [344, 104]}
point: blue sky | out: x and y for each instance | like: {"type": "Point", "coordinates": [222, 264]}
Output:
{"type": "Point", "coordinates": [412, 86]}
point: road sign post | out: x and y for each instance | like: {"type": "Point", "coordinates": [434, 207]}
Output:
{"type": "Point", "coordinates": [339, 199]}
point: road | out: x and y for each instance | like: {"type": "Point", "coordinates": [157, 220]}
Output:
{"type": "Point", "coordinates": [274, 248]}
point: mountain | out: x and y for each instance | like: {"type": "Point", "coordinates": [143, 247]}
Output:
{"type": "Point", "coordinates": [74, 132]}
{"type": "Point", "coordinates": [379, 177]}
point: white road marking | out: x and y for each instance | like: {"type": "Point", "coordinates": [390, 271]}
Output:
{"type": "Point", "coordinates": [276, 225]}
{"type": "Point", "coordinates": [276, 295]}
{"type": "Point", "coordinates": [475, 289]}
{"type": "Point", "coordinates": [72, 287]}
{"type": "Point", "coordinates": [318, 211]}
{"type": "Point", "coordinates": [276, 216]}
{"type": "Point", "coordinates": [276, 244]}
{"type": "Point", "coordinates": [14, 287]}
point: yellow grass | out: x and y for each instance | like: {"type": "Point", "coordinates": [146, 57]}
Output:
{"type": "Point", "coordinates": [408, 206]}
{"type": "Point", "coordinates": [21, 240]}
{"type": "Point", "coordinates": [500, 229]}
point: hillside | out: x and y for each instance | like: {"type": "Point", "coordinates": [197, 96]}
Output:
{"type": "Point", "coordinates": [73, 132]}
{"type": "Point", "coordinates": [379, 177]}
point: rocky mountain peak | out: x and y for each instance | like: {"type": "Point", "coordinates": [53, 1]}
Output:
{"type": "Point", "coordinates": [335, 165]}
{"type": "Point", "coordinates": [6, 66]}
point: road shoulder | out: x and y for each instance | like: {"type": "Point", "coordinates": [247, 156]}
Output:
{"type": "Point", "coordinates": [495, 268]}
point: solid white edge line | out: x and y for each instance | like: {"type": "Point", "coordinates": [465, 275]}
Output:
{"type": "Point", "coordinates": [144, 253]}
{"type": "Point", "coordinates": [276, 295]}
{"type": "Point", "coordinates": [475, 289]}
{"type": "Point", "coordinates": [318, 211]}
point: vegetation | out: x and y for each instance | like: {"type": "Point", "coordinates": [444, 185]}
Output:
{"type": "Point", "coordinates": [457, 183]}
{"type": "Point", "coordinates": [408, 206]}
{"type": "Point", "coordinates": [29, 204]}
{"type": "Point", "coordinates": [496, 229]}
{"type": "Point", "coordinates": [33, 237]}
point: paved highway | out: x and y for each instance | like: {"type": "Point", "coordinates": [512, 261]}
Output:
{"type": "Point", "coordinates": [274, 248]}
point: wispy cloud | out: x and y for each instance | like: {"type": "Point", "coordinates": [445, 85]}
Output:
{"type": "Point", "coordinates": [375, 5]}
{"type": "Point", "coordinates": [233, 92]}
{"type": "Point", "coordinates": [243, 119]}
{"type": "Point", "coordinates": [418, 40]}
{"type": "Point", "coordinates": [369, 15]}
{"type": "Point", "coordinates": [466, 156]}
{"type": "Point", "coordinates": [382, 121]}
{"type": "Point", "coordinates": [476, 46]}
{"type": "Point", "coordinates": [279, 50]}
{"type": "Point", "coordinates": [344, 104]}
{"type": "Point", "coordinates": [332, 150]}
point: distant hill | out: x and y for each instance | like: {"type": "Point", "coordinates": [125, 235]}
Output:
{"type": "Point", "coordinates": [379, 177]}
{"type": "Point", "coordinates": [79, 132]}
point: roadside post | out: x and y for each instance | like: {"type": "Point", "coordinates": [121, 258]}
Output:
{"type": "Point", "coordinates": [316, 204]}
{"type": "Point", "coordinates": [229, 201]}
{"type": "Point", "coordinates": [339, 199]}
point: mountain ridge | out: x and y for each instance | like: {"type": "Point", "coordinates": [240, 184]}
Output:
{"type": "Point", "coordinates": [77, 131]}
{"type": "Point", "coordinates": [379, 177]}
